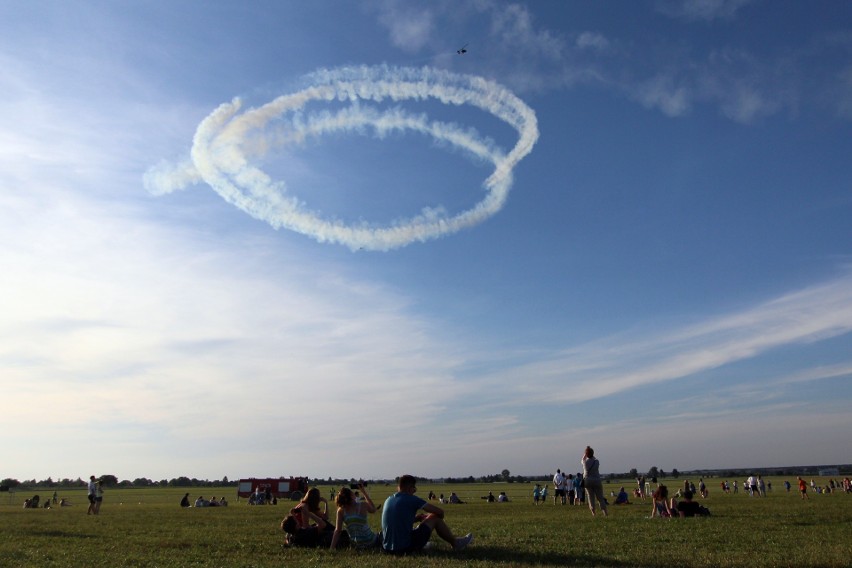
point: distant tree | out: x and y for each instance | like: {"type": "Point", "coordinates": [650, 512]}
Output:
{"type": "Point", "coordinates": [634, 473]}
{"type": "Point", "coordinates": [675, 473]}
{"type": "Point", "coordinates": [505, 474]}
{"type": "Point", "coordinates": [662, 473]}
{"type": "Point", "coordinates": [109, 480]}
{"type": "Point", "coordinates": [10, 483]}
{"type": "Point", "coordinates": [654, 472]}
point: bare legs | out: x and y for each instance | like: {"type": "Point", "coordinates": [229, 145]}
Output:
{"type": "Point", "coordinates": [437, 524]}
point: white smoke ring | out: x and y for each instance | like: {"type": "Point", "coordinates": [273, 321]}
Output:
{"type": "Point", "coordinates": [220, 154]}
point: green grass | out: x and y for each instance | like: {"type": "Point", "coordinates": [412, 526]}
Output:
{"type": "Point", "coordinates": [146, 528]}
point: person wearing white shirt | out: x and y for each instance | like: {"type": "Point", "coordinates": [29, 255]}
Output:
{"type": "Point", "coordinates": [559, 487]}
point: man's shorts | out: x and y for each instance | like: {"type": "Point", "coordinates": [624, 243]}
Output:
{"type": "Point", "coordinates": [91, 498]}
{"type": "Point", "coordinates": [419, 538]}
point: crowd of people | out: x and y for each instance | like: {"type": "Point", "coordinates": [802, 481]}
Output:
{"type": "Point", "coordinates": [407, 524]}
{"type": "Point", "coordinates": [408, 521]}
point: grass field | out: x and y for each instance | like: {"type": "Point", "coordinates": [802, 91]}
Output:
{"type": "Point", "coordinates": [146, 527]}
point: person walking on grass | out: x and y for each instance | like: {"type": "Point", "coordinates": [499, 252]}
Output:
{"type": "Point", "coordinates": [803, 488]}
{"type": "Point", "coordinates": [400, 512]}
{"type": "Point", "coordinates": [592, 480]}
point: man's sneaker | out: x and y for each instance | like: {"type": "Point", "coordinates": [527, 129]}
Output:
{"type": "Point", "coordinates": [429, 546]}
{"type": "Point", "coordinates": [464, 541]}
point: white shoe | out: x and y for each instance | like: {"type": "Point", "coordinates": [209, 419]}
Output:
{"type": "Point", "coordinates": [464, 542]}
{"type": "Point", "coordinates": [429, 546]}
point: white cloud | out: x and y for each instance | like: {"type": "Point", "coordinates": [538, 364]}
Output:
{"type": "Point", "coordinates": [592, 40]}
{"type": "Point", "coordinates": [112, 320]}
{"type": "Point", "coordinates": [626, 362]}
{"type": "Point", "coordinates": [410, 27]}
{"type": "Point", "coordinates": [707, 10]}
{"type": "Point", "coordinates": [513, 26]}
{"type": "Point", "coordinates": [664, 93]}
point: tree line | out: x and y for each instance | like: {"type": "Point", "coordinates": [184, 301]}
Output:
{"type": "Point", "coordinates": [113, 481]}
{"type": "Point", "coordinates": [504, 476]}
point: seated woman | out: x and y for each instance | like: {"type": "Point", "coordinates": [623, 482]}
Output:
{"type": "Point", "coordinates": [311, 516]}
{"type": "Point", "coordinates": [315, 503]}
{"type": "Point", "coordinates": [352, 514]}
{"type": "Point", "coordinates": [311, 535]}
{"type": "Point", "coordinates": [661, 504]}
{"type": "Point", "coordinates": [621, 498]}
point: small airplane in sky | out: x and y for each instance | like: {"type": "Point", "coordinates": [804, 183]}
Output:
{"type": "Point", "coordinates": [463, 49]}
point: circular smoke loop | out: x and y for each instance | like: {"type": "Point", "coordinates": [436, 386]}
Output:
{"type": "Point", "coordinates": [223, 144]}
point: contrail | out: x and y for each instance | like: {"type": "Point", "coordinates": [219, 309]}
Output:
{"type": "Point", "coordinates": [227, 138]}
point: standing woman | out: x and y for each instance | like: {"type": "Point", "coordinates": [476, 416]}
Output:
{"type": "Point", "coordinates": [99, 496]}
{"type": "Point", "coordinates": [352, 514]}
{"type": "Point", "coordinates": [592, 479]}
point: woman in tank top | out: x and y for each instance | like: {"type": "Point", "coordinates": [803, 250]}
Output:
{"type": "Point", "coordinates": [353, 514]}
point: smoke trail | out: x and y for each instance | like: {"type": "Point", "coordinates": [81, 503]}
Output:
{"type": "Point", "coordinates": [225, 140]}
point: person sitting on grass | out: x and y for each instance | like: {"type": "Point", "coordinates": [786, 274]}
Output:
{"type": "Point", "coordinates": [312, 534]}
{"type": "Point", "coordinates": [661, 505]}
{"type": "Point", "coordinates": [315, 503]}
{"type": "Point", "coordinates": [621, 498]}
{"type": "Point", "coordinates": [399, 514]}
{"type": "Point", "coordinates": [352, 514]}
{"type": "Point", "coordinates": [689, 508]}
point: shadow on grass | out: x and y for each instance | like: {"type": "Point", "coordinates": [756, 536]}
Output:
{"type": "Point", "coordinates": [62, 534]}
{"type": "Point", "coordinates": [512, 556]}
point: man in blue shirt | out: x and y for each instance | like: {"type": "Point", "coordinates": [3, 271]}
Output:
{"type": "Point", "coordinates": [399, 514]}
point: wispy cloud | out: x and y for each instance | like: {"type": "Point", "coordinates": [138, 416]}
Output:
{"type": "Point", "coordinates": [706, 10]}
{"type": "Point", "coordinates": [592, 40]}
{"type": "Point", "coordinates": [745, 87]}
{"type": "Point", "coordinates": [169, 332]}
{"type": "Point", "coordinates": [626, 362]}
{"type": "Point", "coordinates": [410, 27]}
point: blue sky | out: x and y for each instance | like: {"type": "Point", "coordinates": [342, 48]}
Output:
{"type": "Point", "coordinates": [309, 238]}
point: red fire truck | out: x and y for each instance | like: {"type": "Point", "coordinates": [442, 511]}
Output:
{"type": "Point", "coordinates": [293, 488]}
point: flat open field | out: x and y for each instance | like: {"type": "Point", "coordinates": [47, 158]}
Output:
{"type": "Point", "coordinates": [146, 527]}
